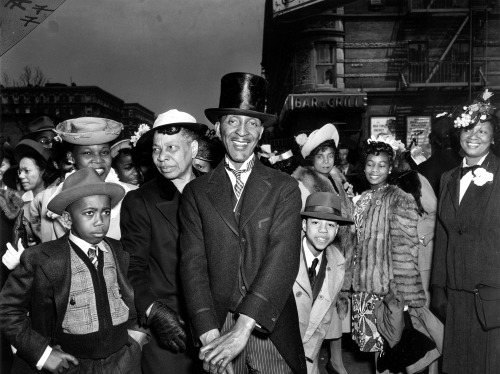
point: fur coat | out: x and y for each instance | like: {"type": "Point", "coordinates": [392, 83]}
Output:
{"type": "Point", "coordinates": [387, 251]}
{"type": "Point", "coordinates": [313, 181]}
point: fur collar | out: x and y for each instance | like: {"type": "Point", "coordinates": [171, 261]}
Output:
{"type": "Point", "coordinates": [10, 203]}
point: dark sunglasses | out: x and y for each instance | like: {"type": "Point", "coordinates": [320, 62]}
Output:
{"type": "Point", "coordinates": [170, 130]}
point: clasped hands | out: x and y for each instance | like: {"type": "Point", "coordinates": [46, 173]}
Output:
{"type": "Point", "coordinates": [218, 351]}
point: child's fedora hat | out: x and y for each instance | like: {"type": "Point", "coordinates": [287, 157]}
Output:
{"type": "Point", "coordinates": [242, 94]}
{"type": "Point", "coordinates": [325, 205]}
{"type": "Point", "coordinates": [82, 183]}
{"type": "Point", "coordinates": [89, 130]}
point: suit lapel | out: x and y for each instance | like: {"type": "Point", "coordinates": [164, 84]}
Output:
{"type": "Point", "coordinates": [256, 190]}
{"type": "Point", "coordinates": [454, 187]}
{"type": "Point", "coordinates": [58, 271]}
{"type": "Point", "coordinates": [476, 198]}
{"type": "Point", "coordinates": [169, 204]}
{"type": "Point", "coordinates": [219, 193]}
{"type": "Point", "coordinates": [302, 276]}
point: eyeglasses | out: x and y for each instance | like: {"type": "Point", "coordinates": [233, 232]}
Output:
{"type": "Point", "coordinates": [170, 130]}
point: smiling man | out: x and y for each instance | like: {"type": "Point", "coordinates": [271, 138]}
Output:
{"type": "Point", "coordinates": [150, 230]}
{"type": "Point", "coordinates": [240, 245]}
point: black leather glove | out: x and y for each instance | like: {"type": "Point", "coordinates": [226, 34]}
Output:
{"type": "Point", "coordinates": [439, 302]}
{"type": "Point", "coordinates": [167, 327]}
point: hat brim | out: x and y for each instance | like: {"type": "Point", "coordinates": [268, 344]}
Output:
{"type": "Point", "coordinates": [32, 135]}
{"type": "Point", "coordinates": [328, 216]}
{"type": "Point", "coordinates": [89, 138]}
{"type": "Point", "coordinates": [213, 115]}
{"type": "Point", "coordinates": [326, 132]}
{"type": "Point", "coordinates": [27, 145]}
{"type": "Point", "coordinates": [61, 201]}
{"type": "Point", "coordinates": [147, 137]}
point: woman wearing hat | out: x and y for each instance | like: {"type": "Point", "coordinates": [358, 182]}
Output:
{"type": "Point", "coordinates": [36, 173]}
{"type": "Point", "coordinates": [319, 150]}
{"type": "Point", "coordinates": [386, 258]}
{"type": "Point", "coordinates": [466, 250]}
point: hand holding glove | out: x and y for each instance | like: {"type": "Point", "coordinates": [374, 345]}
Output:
{"type": "Point", "coordinates": [167, 327]}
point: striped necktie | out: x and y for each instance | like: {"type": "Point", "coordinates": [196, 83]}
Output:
{"type": "Point", "coordinates": [92, 254]}
{"type": "Point", "coordinates": [238, 187]}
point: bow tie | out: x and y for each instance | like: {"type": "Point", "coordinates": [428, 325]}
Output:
{"type": "Point", "coordinates": [466, 169]}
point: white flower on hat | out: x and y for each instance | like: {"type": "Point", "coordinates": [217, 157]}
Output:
{"type": "Point", "coordinates": [143, 128]}
{"type": "Point", "coordinates": [487, 94]}
{"type": "Point", "coordinates": [396, 145]}
{"type": "Point", "coordinates": [301, 139]}
{"type": "Point", "coordinates": [481, 177]}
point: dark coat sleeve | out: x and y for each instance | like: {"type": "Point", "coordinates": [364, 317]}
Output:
{"type": "Point", "coordinates": [438, 274]}
{"type": "Point", "coordinates": [15, 305]}
{"type": "Point", "coordinates": [194, 261]}
{"type": "Point", "coordinates": [135, 225]}
{"type": "Point", "coordinates": [273, 283]}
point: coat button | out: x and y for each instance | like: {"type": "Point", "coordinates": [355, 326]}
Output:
{"type": "Point", "coordinates": [328, 268]}
{"type": "Point", "coordinates": [459, 231]}
{"type": "Point", "coordinates": [298, 294]}
{"type": "Point", "coordinates": [273, 319]}
{"type": "Point", "coordinates": [243, 288]}
{"type": "Point", "coordinates": [320, 297]}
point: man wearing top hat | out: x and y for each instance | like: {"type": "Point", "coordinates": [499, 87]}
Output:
{"type": "Point", "coordinates": [150, 233]}
{"type": "Point", "coordinates": [321, 273]}
{"type": "Point", "coordinates": [240, 245]}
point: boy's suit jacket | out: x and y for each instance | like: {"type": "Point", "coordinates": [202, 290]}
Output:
{"type": "Point", "coordinates": [315, 319]}
{"type": "Point", "coordinates": [264, 248]}
{"type": "Point", "coordinates": [40, 286]}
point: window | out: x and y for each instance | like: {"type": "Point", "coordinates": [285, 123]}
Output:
{"type": "Point", "coordinates": [325, 63]}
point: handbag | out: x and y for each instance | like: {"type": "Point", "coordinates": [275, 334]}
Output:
{"type": "Point", "coordinates": [487, 299]}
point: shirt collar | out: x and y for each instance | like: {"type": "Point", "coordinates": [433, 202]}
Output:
{"type": "Point", "coordinates": [309, 256]}
{"type": "Point", "coordinates": [83, 245]}
{"type": "Point", "coordinates": [245, 164]}
{"type": "Point", "coordinates": [464, 161]}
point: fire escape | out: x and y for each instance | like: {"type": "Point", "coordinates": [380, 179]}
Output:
{"type": "Point", "coordinates": [442, 48]}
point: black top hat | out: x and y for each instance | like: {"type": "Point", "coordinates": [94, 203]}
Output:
{"type": "Point", "coordinates": [242, 94]}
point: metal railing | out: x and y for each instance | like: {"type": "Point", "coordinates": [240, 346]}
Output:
{"type": "Point", "coordinates": [447, 72]}
{"type": "Point", "coordinates": [446, 4]}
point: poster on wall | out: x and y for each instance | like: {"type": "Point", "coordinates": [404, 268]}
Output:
{"type": "Point", "coordinates": [378, 125]}
{"type": "Point", "coordinates": [418, 129]}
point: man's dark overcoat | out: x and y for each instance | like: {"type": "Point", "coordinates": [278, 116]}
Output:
{"type": "Point", "coordinates": [262, 252]}
{"type": "Point", "coordinates": [40, 286]}
{"type": "Point", "coordinates": [467, 252]}
{"type": "Point", "coordinates": [150, 234]}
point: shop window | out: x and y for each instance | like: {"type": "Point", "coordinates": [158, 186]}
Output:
{"type": "Point", "coordinates": [325, 64]}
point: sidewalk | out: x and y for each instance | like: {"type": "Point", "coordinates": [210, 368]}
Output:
{"type": "Point", "coordinates": [355, 362]}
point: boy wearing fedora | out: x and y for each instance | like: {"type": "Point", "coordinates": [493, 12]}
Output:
{"type": "Point", "coordinates": [240, 245]}
{"type": "Point", "coordinates": [68, 305]}
{"type": "Point", "coordinates": [321, 273]}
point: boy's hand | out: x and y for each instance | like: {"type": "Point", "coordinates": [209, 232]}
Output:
{"type": "Point", "coordinates": [58, 361]}
{"type": "Point", "coordinates": [11, 258]}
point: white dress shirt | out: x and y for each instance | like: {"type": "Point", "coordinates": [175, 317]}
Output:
{"type": "Point", "coordinates": [467, 178]}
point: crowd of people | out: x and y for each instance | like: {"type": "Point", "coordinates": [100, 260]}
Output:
{"type": "Point", "coordinates": [184, 250]}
